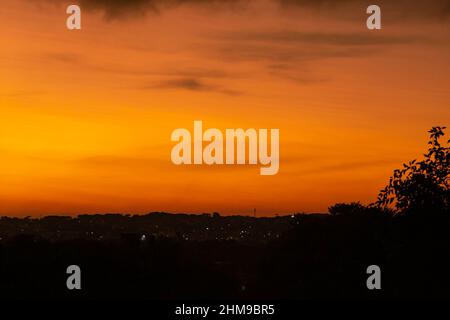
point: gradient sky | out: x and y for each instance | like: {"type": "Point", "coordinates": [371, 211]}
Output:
{"type": "Point", "coordinates": [86, 116]}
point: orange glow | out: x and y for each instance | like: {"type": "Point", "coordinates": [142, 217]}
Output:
{"type": "Point", "coordinates": [86, 116]}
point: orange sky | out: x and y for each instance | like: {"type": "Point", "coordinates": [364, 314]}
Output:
{"type": "Point", "coordinates": [86, 116]}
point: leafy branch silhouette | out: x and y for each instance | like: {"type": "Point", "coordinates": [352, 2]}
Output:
{"type": "Point", "coordinates": [421, 185]}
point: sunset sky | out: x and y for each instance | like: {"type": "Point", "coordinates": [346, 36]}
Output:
{"type": "Point", "coordinates": [86, 115]}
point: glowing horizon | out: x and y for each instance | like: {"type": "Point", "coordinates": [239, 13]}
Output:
{"type": "Point", "coordinates": [86, 116]}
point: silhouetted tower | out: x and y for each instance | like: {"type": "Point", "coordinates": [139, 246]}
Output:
{"type": "Point", "coordinates": [254, 212]}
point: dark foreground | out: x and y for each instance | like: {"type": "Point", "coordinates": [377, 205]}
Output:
{"type": "Point", "coordinates": [176, 257]}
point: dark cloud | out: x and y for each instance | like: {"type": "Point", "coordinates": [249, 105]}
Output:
{"type": "Point", "coordinates": [186, 83]}
{"type": "Point", "coordinates": [327, 4]}
{"type": "Point", "coordinates": [120, 8]}
{"type": "Point", "coordinates": [393, 9]}
{"type": "Point", "coordinates": [191, 84]}
{"type": "Point", "coordinates": [430, 9]}
{"type": "Point", "coordinates": [330, 3]}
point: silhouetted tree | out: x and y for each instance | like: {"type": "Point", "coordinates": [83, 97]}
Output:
{"type": "Point", "coordinates": [421, 185]}
{"type": "Point", "coordinates": [347, 209]}
{"type": "Point", "coordinates": [355, 209]}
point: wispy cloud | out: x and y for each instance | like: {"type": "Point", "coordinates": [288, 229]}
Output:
{"type": "Point", "coordinates": [350, 166]}
{"type": "Point", "coordinates": [285, 48]}
{"type": "Point", "coordinates": [186, 83]}
{"type": "Point", "coordinates": [151, 78]}
{"type": "Point", "coordinates": [22, 94]}
{"type": "Point", "coordinates": [191, 84]}
{"type": "Point", "coordinates": [64, 57]}
{"type": "Point", "coordinates": [116, 9]}
{"type": "Point", "coordinates": [395, 9]}
{"type": "Point", "coordinates": [318, 38]}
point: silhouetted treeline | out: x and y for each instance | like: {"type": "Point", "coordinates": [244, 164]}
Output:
{"type": "Point", "coordinates": [406, 233]}
{"type": "Point", "coordinates": [314, 256]}
{"type": "Point", "coordinates": [153, 225]}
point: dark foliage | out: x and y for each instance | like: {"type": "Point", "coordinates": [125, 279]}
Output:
{"type": "Point", "coordinates": [317, 257]}
{"type": "Point", "coordinates": [421, 186]}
